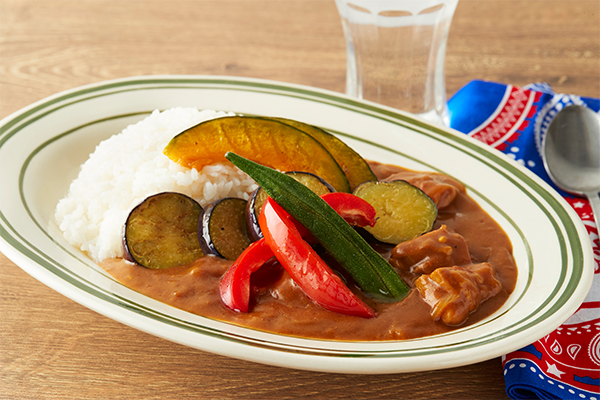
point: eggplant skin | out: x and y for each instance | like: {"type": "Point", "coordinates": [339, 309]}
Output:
{"type": "Point", "coordinates": [222, 228]}
{"type": "Point", "coordinates": [403, 211]}
{"type": "Point", "coordinates": [161, 232]}
{"type": "Point", "coordinates": [252, 212]}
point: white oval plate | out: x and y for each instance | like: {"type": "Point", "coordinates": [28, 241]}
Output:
{"type": "Point", "coordinates": [43, 145]}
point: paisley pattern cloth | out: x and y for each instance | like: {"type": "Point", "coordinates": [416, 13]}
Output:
{"type": "Point", "coordinates": [566, 363]}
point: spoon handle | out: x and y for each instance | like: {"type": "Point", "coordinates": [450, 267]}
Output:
{"type": "Point", "coordinates": [595, 203]}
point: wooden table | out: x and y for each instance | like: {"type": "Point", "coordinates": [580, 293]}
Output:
{"type": "Point", "coordinates": [53, 348]}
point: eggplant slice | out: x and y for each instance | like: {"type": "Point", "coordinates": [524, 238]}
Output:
{"type": "Point", "coordinates": [161, 232]}
{"type": "Point", "coordinates": [222, 228]}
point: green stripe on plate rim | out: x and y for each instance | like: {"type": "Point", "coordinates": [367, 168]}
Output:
{"type": "Point", "coordinates": [499, 164]}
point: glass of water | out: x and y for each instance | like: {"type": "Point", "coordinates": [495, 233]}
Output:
{"type": "Point", "coordinates": [395, 53]}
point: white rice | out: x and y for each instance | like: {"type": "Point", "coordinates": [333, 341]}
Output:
{"type": "Point", "coordinates": [128, 167]}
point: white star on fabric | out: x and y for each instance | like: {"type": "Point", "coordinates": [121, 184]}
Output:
{"type": "Point", "coordinates": [579, 204]}
{"type": "Point", "coordinates": [553, 370]}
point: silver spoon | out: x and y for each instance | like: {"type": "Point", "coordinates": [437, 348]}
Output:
{"type": "Point", "coordinates": [571, 153]}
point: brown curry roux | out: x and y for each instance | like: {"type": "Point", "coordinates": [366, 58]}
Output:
{"type": "Point", "coordinates": [283, 308]}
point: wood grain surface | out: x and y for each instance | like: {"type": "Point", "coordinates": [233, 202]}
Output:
{"type": "Point", "coordinates": [53, 348]}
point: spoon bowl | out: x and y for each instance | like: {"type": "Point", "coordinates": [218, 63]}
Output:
{"type": "Point", "coordinates": [571, 153]}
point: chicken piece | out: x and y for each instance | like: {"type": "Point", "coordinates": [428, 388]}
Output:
{"type": "Point", "coordinates": [440, 187]}
{"type": "Point", "coordinates": [435, 249]}
{"type": "Point", "coordinates": [455, 292]}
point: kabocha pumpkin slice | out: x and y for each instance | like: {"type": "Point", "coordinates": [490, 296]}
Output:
{"type": "Point", "coordinates": [266, 141]}
{"type": "Point", "coordinates": [259, 196]}
{"type": "Point", "coordinates": [403, 210]}
{"type": "Point", "coordinates": [222, 228]}
{"type": "Point", "coordinates": [161, 232]}
{"type": "Point", "coordinates": [354, 166]}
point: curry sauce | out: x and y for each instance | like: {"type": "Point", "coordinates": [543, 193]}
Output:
{"type": "Point", "coordinates": [280, 306]}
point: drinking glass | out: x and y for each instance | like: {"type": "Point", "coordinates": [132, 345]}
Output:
{"type": "Point", "coordinates": [395, 53]}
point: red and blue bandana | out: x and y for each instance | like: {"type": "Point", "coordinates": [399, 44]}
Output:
{"type": "Point", "coordinates": [566, 363]}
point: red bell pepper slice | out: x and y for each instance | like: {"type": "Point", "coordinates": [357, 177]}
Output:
{"type": "Point", "coordinates": [355, 210]}
{"type": "Point", "coordinates": [304, 265]}
{"type": "Point", "coordinates": [235, 285]}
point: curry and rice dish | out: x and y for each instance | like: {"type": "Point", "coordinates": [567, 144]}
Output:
{"type": "Point", "coordinates": [279, 226]}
